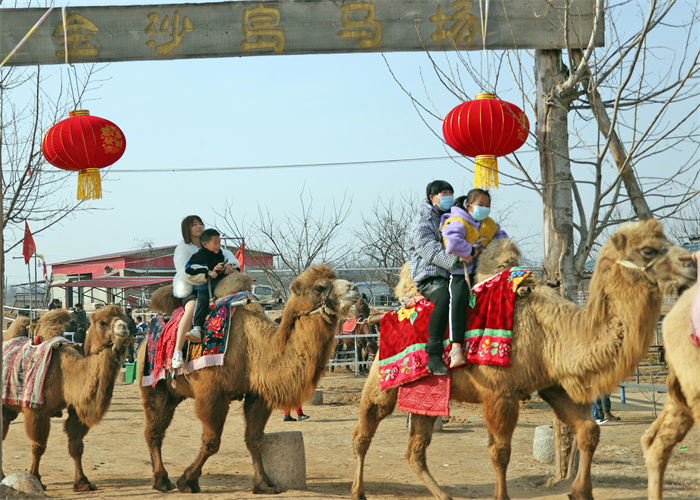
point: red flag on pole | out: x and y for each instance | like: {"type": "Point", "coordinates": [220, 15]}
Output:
{"type": "Point", "coordinates": [29, 246]}
{"type": "Point", "coordinates": [240, 256]}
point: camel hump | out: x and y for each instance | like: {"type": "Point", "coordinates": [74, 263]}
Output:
{"type": "Point", "coordinates": [164, 301]}
{"type": "Point", "coordinates": [18, 328]}
{"type": "Point", "coordinates": [405, 287]}
{"type": "Point", "coordinates": [233, 283]}
{"type": "Point", "coordinates": [53, 323]}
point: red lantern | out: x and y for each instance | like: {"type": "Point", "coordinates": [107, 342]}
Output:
{"type": "Point", "coordinates": [485, 128]}
{"type": "Point", "coordinates": [84, 143]}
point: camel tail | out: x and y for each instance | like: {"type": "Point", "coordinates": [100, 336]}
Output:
{"type": "Point", "coordinates": [163, 301]}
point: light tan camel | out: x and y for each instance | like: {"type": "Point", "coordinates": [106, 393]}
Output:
{"type": "Point", "coordinates": [266, 365]}
{"type": "Point", "coordinates": [565, 352]}
{"type": "Point", "coordinates": [81, 383]}
{"type": "Point", "coordinates": [682, 406]}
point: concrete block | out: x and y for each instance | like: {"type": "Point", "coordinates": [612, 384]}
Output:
{"type": "Point", "coordinates": [25, 483]}
{"type": "Point", "coordinates": [543, 444]}
{"type": "Point", "coordinates": [317, 398]}
{"type": "Point", "coordinates": [284, 459]}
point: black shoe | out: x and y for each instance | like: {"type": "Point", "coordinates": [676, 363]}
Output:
{"type": "Point", "coordinates": [436, 366]}
{"type": "Point", "coordinates": [302, 417]}
{"type": "Point", "coordinates": [610, 416]}
{"type": "Point", "coordinates": [289, 418]}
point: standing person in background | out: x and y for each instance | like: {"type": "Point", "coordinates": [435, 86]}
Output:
{"type": "Point", "coordinates": [603, 406]}
{"type": "Point", "coordinates": [80, 321]}
{"type": "Point", "coordinates": [55, 304]}
{"type": "Point", "coordinates": [300, 415]}
{"type": "Point", "coordinates": [131, 325]}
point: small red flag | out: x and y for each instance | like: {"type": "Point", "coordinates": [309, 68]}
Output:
{"type": "Point", "coordinates": [240, 256]}
{"type": "Point", "coordinates": [29, 246]}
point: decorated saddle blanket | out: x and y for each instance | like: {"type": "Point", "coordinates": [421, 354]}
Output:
{"type": "Point", "coordinates": [402, 356]}
{"type": "Point", "coordinates": [695, 313]}
{"type": "Point", "coordinates": [210, 352]}
{"type": "Point", "coordinates": [350, 325]}
{"type": "Point", "coordinates": [426, 396]}
{"type": "Point", "coordinates": [24, 368]}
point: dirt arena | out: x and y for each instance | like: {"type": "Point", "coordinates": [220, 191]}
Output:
{"type": "Point", "coordinates": [117, 461]}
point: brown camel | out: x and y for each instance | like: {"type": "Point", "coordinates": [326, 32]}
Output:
{"type": "Point", "coordinates": [81, 383]}
{"type": "Point", "coordinates": [565, 352]}
{"type": "Point", "coordinates": [682, 406]}
{"type": "Point", "coordinates": [266, 365]}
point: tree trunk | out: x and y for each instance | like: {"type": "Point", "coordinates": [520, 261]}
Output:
{"type": "Point", "coordinates": [558, 265]}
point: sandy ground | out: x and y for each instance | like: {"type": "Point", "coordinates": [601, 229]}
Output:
{"type": "Point", "coordinates": [117, 460]}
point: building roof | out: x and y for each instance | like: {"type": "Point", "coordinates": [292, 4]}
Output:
{"type": "Point", "coordinates": [250, 253]}
{"type": "Point", "coordinates": [120, 282]}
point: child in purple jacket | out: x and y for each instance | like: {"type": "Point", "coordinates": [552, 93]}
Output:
{"type": "Point", "coordinates": [466, 229]}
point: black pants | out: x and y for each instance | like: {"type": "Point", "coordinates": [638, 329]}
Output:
{"type": "Point", "coordinates": [459, 300]}
{"type": "Point", "coordinates": [436, 290]}
{"type": "Point", "coordinates": [202, 307]}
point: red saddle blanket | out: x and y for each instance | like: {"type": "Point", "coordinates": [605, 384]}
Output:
{"type": "Point", "coordinates": [350, 325]}
{"type": "Point", "coordinates": [402, 356]}
{"type": "Point", "coordinates": [426, 396]}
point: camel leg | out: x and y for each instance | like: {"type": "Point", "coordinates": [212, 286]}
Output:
{"type": "Point", "coordinates": [375, 406]}
{"type": "Point", "coordinates": [658, 442]}
{"type": "Point", "coordinates": [578, 417]}
{"type": "Point", "coordinates": [76, 431]}
{"type": "Point", "coordinates": [37, 424]}
{"type": "Point", "coordinates": [159, 407]}
{"type": "Point", "coordinates": [501, 417]}
{"type": "Point", "coordinates": [7, 417]}
{"type": "Point", "coordinates": [211, 409]}
{"type": "Point", "coordinates": [418, 442]}
{"type": "Point", "coordinates": [257, 412]}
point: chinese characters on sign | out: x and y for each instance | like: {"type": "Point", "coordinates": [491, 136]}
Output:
{"type": "Point", "coordinates": [259, 31]}
{"type": "Point", "coordinates": [176, 34]}
{"type": "Point", "coordinates": [464, 26]}
{"type": "Point", "coordinates": [78, 34]}
{"type": "Point", "coordinates": [367, 30]}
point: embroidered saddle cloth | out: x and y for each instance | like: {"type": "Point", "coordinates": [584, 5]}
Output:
{"type": "Point", "coordinates": [210, 352]}
{"type": "Point", "coordinates": [24, 368]}
{"type": "Point", "coordinates": [402, 356]}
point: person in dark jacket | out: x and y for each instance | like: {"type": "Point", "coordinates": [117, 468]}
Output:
{"type": "Point", "coordinates": [430, 267]}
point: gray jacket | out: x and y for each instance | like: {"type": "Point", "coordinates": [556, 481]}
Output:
{"type": "Point", "coordinates": [428, 256]}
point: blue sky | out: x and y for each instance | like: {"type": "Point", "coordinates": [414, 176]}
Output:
{"type": "Point", "coordinates": [268, 111]}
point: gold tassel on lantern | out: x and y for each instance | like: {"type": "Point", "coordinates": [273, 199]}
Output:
{"type": "Point", "coordinates": [486, 172]}
{"type": "Point", "coordinates": [89, 184]}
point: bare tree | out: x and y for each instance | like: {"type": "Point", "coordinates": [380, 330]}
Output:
{"type": "Point", "coordinates": [685, 224]}
{"type": "Point", "coordinates": [606, 120]}
{"type": "Point", "coordinates": [299, 239]}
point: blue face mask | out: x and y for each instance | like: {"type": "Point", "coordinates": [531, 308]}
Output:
{"type": "Point", "coordinates": [446, 203]}
{"type": "Point", "coordinates": [480, 213]}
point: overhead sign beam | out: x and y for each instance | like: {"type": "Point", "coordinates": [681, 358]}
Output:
{"type": "Point", "coordinates": [234, 29]}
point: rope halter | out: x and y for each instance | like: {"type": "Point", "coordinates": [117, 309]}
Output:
{"type": "Point", "coordinates": [632, 265]}
{"type": "Point", "coordinates": [323, 309]}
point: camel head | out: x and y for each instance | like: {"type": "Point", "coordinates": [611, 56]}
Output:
{"type": "Point", "coordinates": [107, 326]}
{"type": "Point", "coordinates": [498, 256]}
{"type": "Point", "coordinates": [641, 253]}
{"type": "Point", "coordinates": [319, 289]}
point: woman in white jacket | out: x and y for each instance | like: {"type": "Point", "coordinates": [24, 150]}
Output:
{"type": "Point", "coordinates": [192, 227]}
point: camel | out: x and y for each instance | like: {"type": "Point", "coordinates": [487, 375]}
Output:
{"type": "Point", "coordinates": [682, 406]}
{"type": "Point", "coordinates": [80, 381]}
{"type": "Point", "coordinates": [265, 365]}
{"type": "Point", "coordinates": [566, 352]}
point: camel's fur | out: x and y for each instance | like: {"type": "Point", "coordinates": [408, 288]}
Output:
{"type": "Point", "coordinates": [81, 383]}
{"type": "Point", "coordinates": [266, 365]}
{"type": "Point", "coordinates": [18, 328]}
{"type": "Point", "coordinates": [682, 406]}
{"type": "Point", "coordinates": [566, 352]}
